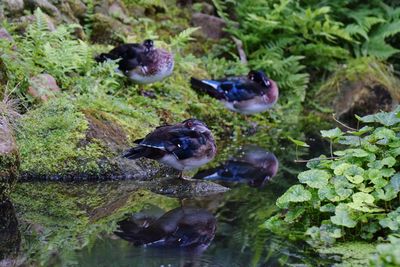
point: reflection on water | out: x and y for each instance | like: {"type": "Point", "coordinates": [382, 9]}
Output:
{"type": "Point", "coordinates": [251, 165]}
{"type": "Point", "coordinates": [184, 227]}
{"type": "Point", "coordinates": [9, 234]}
{"type": "Point", "coordinates": [116, 224]}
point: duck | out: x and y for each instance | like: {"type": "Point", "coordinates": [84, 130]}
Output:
{"type": "Point", "coordinates": [254, 166]}
{"type": "Point", "coordinates": [142, 63]}
{"type": "Point", "coordinates": [183, 146]}
{"type": "Point", "coordinates": [183, 227]}
{"type": "Point", "coordinates": [249, 94]}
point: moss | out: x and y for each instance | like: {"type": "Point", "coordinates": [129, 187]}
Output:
{"type": "Point", "coordinates": [351, 253]}
{"type": "Point", "coordinates": [50, 140]}
{"type": "Point", "coordinates": [67, 217]}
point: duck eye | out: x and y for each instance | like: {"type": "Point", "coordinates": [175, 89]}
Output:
{"type": "Point", "coordinates": [189, 124]}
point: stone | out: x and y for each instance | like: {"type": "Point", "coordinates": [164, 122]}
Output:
{"type": "Point", "coordinates": [14, 6]}
{"type": "Point", "coordinates": [9, 157]}
{"type": "Point", "coordinates": [78, 8]}
{"type": "Point", "coordinates": [5, 35]}
{"type": "Point", "coordinates": [362, 98]}
{"type": "Point", "coordinates": [212, 27]}
{"type": "Point", "coordinates": [43, 86]}
{"type": "Point", "coordinates": [107, 30]}
{"type": "Point", "coordinates": [45, 6]}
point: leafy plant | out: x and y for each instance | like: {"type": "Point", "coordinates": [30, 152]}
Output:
{"type": "Point", "coordinates": [355, 192]}
{"type": "Point", "coordinates": [388, 254]}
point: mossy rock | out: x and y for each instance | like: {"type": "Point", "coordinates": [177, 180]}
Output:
{"type": "Point", "coordinates": [107, 29]}
{"type": "Point", "coordinates": [60, 141]}
{"type": "Point", "coordinates": [9, 160]}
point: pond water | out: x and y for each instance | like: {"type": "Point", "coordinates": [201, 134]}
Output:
{"type": "Point", "coordinates": [74, 224]}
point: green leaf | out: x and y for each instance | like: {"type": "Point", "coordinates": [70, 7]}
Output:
{"type": "Point", "coordinates": [332, 134]}
{"type": "Point", "coordinates": [314, 178]}
{"type": "Point", "coordinates": [340, 169]}
{"type": "Point", "coordinates": [385, 118]}
{"type": "Point", "coordinates": [327, 208]}
{"type": "Point", "coordinates": [343, 216]}
{"type": "Point", "coordinates": [296, 193]}
{"type": "Point", "coordinates": [361, 197]}
{"type": "Point", "coordinates": [294, 214]}
{"type": "Point", "coordinates": [298, 142]}
{"type": "Point", "coordinates": [392, 220]}
{"type": "Point", "coordinates": [395, 182]}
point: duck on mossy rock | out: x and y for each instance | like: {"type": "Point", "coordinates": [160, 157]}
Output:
{"type": "Point", "coordinates": [183, 146]}
{"type": "Point", "coordinates": [249, 94]}
{"type": "Point", "coordinates": [142, 63]}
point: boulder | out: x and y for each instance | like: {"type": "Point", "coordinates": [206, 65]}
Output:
{"type": "Point", "coordinates": [43, 86]}
{"type": "Point", "coordinates": [9, 158]}
{"type": "Point", "coordinates": [14, 6]}
{"type": "Point", "coordinates": [45, 6]}
{"type": "Point", "coordinates": [107, 29]}
{"type": "Point", "coordinates": [212, 27]}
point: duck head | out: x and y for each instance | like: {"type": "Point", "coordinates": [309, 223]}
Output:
{"type": "Point", "coordinates": [196, 125]}
{"type": "Point", "coordinates": [148, 44]}
{"type": "Point", "coordinates": [259, 77]}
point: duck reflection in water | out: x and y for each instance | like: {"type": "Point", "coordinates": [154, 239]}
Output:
{"type": "Point", "coordinates": [252, 165]}
{"type": "Point", "coordinates": [184, 227]}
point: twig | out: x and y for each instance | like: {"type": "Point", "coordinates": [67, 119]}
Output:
{"type": "Point", "coordinates": [316, 159]}
{"type": "Point", "coordinates": [239, 46]}
{"type": "Point", "coordinates": [341, 123]}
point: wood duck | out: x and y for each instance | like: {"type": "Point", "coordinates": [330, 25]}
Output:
{"type": "Point", "coordinates": [247, 95]}
{"type": "Point", "coordinates": [183, 146]}
{"type": "Point", "coordinates": [184, 227]}
{"type": "Point", "coordinates": [142, 63]}
{"type": "Point", "coordinates": [253, 166]}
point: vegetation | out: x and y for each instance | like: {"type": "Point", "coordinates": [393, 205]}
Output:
{"type": "Point", "coordinates": [312, 49]}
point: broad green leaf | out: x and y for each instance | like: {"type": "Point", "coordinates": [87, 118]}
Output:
{"type": "Point", "coordinates": [385, 118]}
{"type": "Point", "coordinates": [356, 179]}
{"type": "Point", "coordinates": [379, 182]}
{"type": "Point", "coordinates": [340, 169]}
{"type": "Point", "coordinates": [389, 161]}
{"type": "Point", "coordinates": [328, 193]}
{"type": "Point", "coordinates": [296, 193]}
{"type": "Point", "coordinates": [294, 214]}
{"type": "Point", "coordinates": [314, 178]}
{"type": "Point", "coordinates": [392, 220]}
{"type": "Point", "coordinates": [332, 134]}
{"type": "Point", "coordinates": [298, 142]}
{"type": "Point", "coordinates": [362, 131]}
{"type": "Point", "coordinates": [327, 208]}
{"type": "Point", "coordinates": [387, 172]}
{"type": "Point", "coordinates": [387, 193]}
{"type": "Point", "coordinates": [343, 216]}
{"type": "Point", "coordinates": [361, 197]}
{"type": "Point", "coordinates": [395, 182]}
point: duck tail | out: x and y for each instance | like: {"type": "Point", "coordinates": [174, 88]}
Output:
{"type": "Point", "coordinates": [204, 87]}
{"type": "Point", "coordinates": [135, 152]}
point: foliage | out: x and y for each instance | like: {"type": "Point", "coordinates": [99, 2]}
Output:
{"type": "Point", "coordinates": [388, 254]}
{"type": "Point", "coordinates": [352, 193]}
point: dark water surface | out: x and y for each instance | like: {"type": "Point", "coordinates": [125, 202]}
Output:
{"type": "Point", "coordinates": [74, 224]}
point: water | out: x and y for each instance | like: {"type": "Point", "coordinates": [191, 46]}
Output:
{"type": "Point", "coordinates": [68, 224]}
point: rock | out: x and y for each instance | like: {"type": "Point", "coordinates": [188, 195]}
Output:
{"type": "Point", "coordinates": [204, 8]}
{"type": "Point", "coordinates": [5, 35]}
{"type": "Point", "coordinates": [43, 86]}
{"type": "Point", "coordinates": [10, 237]}
{"type": "Point", "coordinates": [186, 188]}
{"type": "Point", "coordinates": [78, 8]}
{"type": "Point", "coordinates": [23, 22]}
{"type": "Point", "coordinates": [107, 30]}
{"type": "Point", "coordinates": [9, 158]}
{"type": "Point", "coordinates": [362, 98]}
{"type": "Point", "coordinates": [14, 6]}
{"type": "Point", "coordinates": [45, 6]}
{"type": "Point", "coordinates": [211, 27]}
{"type": "Point", "coordinates": [112, 8]}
